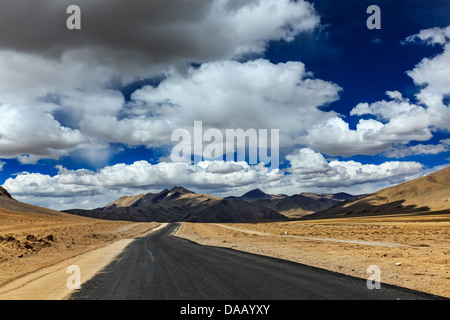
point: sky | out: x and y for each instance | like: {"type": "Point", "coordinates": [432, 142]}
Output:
{"type": "Point", "coordinates": [88, 115]}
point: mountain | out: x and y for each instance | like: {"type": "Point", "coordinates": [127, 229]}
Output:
{"type": "Point", "coordinates": [165, 195]}
{"type": "Point", "coordinates": [299, 205]}
{"type": "Point", "coordinates": [253, 195]}
{"type": "Point", "coordinates": [180, 204]}
{"type": "Point", "coordinates": [10, 206]}
{"type": "Point", "coordinates": [341, 196]}
{"type": "Point", "coordinates": [425, 194]}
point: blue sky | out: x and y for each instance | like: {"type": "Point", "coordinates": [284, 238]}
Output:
{"type": "Point", "coordinates": [87, 115]}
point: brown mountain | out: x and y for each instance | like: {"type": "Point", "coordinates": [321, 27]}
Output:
{"type": "Point", "coordinates": [180, 204]}
{"type": "Point", "coordinates": [426, 194]}
{"type": "Point", "coordinates": [8, 206]}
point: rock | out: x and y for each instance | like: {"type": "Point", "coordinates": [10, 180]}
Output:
{"type": "Point", "coordinates": [31, 237]}
{"type": "Point", "coordinates": [10, 239]}
{"type": "Point", "coordinates": [27, 246]}
{"type": "Point", "coordinates": [398, 264]}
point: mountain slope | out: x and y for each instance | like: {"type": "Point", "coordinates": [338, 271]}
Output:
{"type": "Point", "coordinates": [8, 205]}
{"type": "Point", "coordinates": [425, 194]}
{"type": "Point", "coordinates": [4, 193]}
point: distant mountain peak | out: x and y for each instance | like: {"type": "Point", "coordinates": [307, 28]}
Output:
{"type": "Point", "coordinates": [180, 189]}
{"type": "Point", "coordinates": [255, 194]}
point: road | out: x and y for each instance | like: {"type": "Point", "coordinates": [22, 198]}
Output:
{"type": "Point", "coordinates": [160, 266]}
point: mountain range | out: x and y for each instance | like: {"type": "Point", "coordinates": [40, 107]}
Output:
{"type": "Point", "coordinates": [430, 193]}
{"type": "Point", "coordinates": [297, 205]}
{"type": "Point", "coordinates": [180, 204]}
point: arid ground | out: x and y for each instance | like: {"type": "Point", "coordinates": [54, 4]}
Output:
{"type": "Point", "coordinates": [412, 251]}
{"type": "Point", "coordinates": [35, 243]}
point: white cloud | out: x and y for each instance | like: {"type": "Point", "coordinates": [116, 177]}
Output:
{"type": "Point", "coordinates": [419, 149]}
{"type": "Point", "coordinates": [433, 76]}
{"type": "Point", "coordinates": [387, 110]}
{"type": "Point", "coordinates": [42, 101]}
{"type": "Point", "coordinates": [431, 36]}
{"type": "Point", "coordinates": [306, 161]}
{"type": "Point", "coordinates": [66, 78]}
{"type": "Point", "coordinates": [398, 120]}
{"type": "Point", "coordinates": [225, 94]}
{"type": "Point", "coordinates": [31, 134]}
{"type": "Point", "coordinates": [334, 137]}
{"type": "Point", "coordinates": [335, 174]}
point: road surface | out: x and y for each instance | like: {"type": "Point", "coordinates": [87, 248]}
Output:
{"type": "Point", "coordinates": [160, 266]}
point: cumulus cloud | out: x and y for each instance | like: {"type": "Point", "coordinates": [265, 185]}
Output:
{"type": "Point", "coordinates": [74, 76]}
{"type": "Point", "coordinates": [419, 149]}
{"type": "Point", "coordinates": [335, 174]}
{"type": "Point", "coordinates": [228, 94]}
{"type": "Point", "coordinates": [31, 134]}
{"type": "Point", "coordinates": [431, 36]}
{"type": "Point", "coordinates": [398, 120]}
{"type": "Point", "coordinates": [432, 75]}
{"type": "Point", "coordinates": [335, 138]}
{"type": "Point", "coordinates": [42, 102]}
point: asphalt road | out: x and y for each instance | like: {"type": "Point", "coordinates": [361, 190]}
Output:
{"type": "Point", "coordinates": [164, 267]}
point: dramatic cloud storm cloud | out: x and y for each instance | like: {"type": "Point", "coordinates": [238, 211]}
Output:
{"type": "Point", "coordinates": [72, 78]}
{"type": "Point", "coordinates": [136, 36]}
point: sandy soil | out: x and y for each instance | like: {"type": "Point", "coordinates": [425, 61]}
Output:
{"type": "Point", "coordinates": [35, 245]}
{"type": "Point", "coordinates": [411, 251]}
